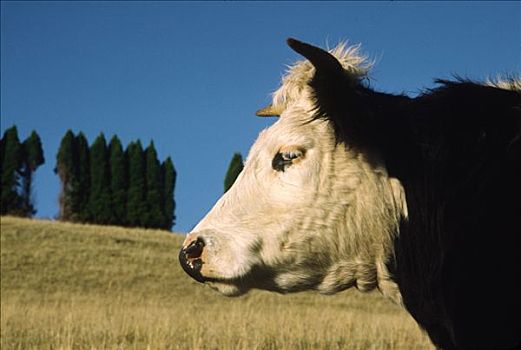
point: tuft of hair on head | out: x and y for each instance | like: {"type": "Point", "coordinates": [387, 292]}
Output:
{"type": "Point", "coordinates": [299, 74]}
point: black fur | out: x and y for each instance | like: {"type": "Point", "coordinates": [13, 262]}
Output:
{"type": "Point", "coordinates": [457, 258]}
{"type": "Point", "coordinates": [457, 151]}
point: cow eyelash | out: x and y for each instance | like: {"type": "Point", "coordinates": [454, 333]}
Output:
{"type": "Point", "coordinates": [284, 159]}
{"type": "Point", "coordinates": [290, 155]}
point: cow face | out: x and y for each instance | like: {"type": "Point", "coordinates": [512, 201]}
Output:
{"type": "Point", "coordinates": [307, 211]}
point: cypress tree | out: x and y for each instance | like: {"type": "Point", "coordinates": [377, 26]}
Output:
{"type": "Point", "coordinates": [99, 195]}
{"type": "Point", "coordinates": [136, 206]}
{"type": "Point", "coordinates": [11, 201]}
{"type": "Point", "coordinates": [118, 181]}
{"type": "Point", "coordinates": [82, 174]}
{"type": "Point", "coordinates": [154, 217]}
{"type": "Point", "coordinates": [32, 159]}
{"type": "Point", "coordinates": [234, 169]}
{"type": "Point", "coordinates": [168, 176]}
{"type": "Point", "coordinates": [66, 170]}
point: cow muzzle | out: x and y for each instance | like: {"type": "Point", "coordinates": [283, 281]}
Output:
{"type": "Point", "coordinates": [190, 258]}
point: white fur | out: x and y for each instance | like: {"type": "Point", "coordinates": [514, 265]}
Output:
{"type": "Point", "coordinates": [327, 222]}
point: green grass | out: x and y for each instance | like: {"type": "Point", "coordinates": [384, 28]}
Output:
{"type": "Point", "coordinates": [67, 286]}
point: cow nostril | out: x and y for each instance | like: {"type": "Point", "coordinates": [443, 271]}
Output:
{"type": "Point", "coordinates": [190, 259]}
{"type": "Point", "coordinates": [194, 249]}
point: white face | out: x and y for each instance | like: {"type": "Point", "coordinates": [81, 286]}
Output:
{"type": "Point", "coordinates": [284, 224]}
{"type": "Point", "coordinates": [307, 212]}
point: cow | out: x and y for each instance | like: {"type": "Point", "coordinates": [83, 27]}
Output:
{"type": "Point", "coordinates": [418, 197]}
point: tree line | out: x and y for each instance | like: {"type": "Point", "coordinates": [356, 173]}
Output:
{"type": "Point", "coordinates": [106, 184]}
{"type": "Point", "coordinates": [18, 162]}
{"type": "Point", "coordinates": [100, 183]}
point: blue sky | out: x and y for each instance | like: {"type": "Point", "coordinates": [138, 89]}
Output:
{"type": "Point", "coordinates": [190, 75]}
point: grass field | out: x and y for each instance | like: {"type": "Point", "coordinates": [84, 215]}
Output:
{"type": "Point", "coordinates": [67, 286]}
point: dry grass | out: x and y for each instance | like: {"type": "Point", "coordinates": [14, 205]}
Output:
{"type": "Point", "coordinates": [68, 286]}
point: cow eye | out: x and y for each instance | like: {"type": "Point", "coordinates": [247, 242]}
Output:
{"type": "Point", "coordinates": [284, 159]}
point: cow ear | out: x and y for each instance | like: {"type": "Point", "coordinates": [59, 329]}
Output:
{"type": "Point", "coordinates": [340, 97]}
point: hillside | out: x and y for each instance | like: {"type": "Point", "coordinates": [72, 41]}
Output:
{"type": "Point", "coordinates": [83, 286]}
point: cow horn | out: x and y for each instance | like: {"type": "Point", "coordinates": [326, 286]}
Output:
{"type": "Point", "coordinates": [322, 60]}
{"type": "Point", "coordinates": [269, 111]}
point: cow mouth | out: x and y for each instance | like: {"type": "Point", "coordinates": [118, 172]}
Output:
{"type": "Point", "coordinates": [235, 286]}
{"type": "Point", "coordinates": [192, 263]}
{"type": "Point", "coordinates": [258, 277]}
{"type": "Point", "coordinates": [192, 260]}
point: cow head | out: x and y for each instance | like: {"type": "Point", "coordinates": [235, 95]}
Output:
{"type": "Point", "coordinates": [310, 210]}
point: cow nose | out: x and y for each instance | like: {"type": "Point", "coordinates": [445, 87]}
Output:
{"type": "Point", "coordinates": [190, 259]}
